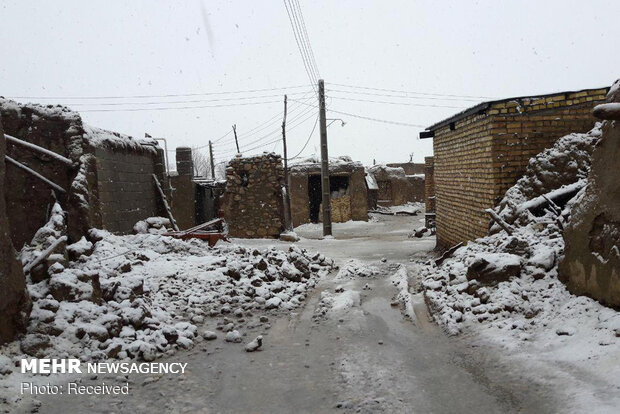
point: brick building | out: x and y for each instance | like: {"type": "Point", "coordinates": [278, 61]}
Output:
{"type": "Point", "coordinates": [481, 152]}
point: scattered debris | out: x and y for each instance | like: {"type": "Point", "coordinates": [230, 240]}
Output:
{"type": "Point", "coordinates": [255, 344]}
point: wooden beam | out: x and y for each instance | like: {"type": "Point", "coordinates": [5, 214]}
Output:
{"type": "Point", "coordinates": [39, 149]}
{"type": "Point", "coordinates": [36, 174]}
{"type": "Point", "coordinates": [500, 221]}
{"type": "Point", "coordinates": [45, 254]}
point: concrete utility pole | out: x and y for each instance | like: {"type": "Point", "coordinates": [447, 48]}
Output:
{"type": "Point", "coordinates": [211, 158]}
{"type": "Point", "coordinates": [288, 223]}
{"type": "Point", "coordinates": [327, 209]}
{"type": "Point", "coordinates": [236, 141]}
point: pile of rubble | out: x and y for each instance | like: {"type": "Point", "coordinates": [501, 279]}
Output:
{"type": "Point", "coordinates": [510, 281]}
{"type": "Point", "coordinates": [147, 295]}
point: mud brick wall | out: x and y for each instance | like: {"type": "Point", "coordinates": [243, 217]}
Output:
{"type": "Point", "coordinates": [126, 188]}
{"type": "Point", "coordinates": [410, 168]}
{"type": "Point", "coordinates": [28, 199]}
{"type": "Point", "coordinates": [477, 158]}
{"type": "Point", "coordinates": [299, 183]}
{"type": "Point", "coordinates": [253, 205]}
{"type": "Point", "coordinates": [416, 188]}
{"type": "Point", "coordinates": [13, 295]}
{"type": "Point", "coordinates": [591, 263]}
{"type": "Point", "coordinates": [429, 184]}
{"type": "Point", "coordinates": [183, 200]}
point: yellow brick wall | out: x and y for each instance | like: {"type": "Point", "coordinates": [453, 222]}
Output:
{"type": "Point", "coordinates": [486, 154]}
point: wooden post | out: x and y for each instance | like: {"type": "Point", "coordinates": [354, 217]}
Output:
{"type": "Point", "coordinates": [236, 141]}
{"type": "Point", "coordinates": [165, 201]}
{"type": "Point", "coordinates": [211, 158]}
{"type": "Point", "coordinates": [288, 222]}
{"type": "Point", "coordinates": [327, 211]}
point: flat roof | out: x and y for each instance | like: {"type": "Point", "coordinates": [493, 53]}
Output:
{"type": "Point", "coordinates": [482, 107]}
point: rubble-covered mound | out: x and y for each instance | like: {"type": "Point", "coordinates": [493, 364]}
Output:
{"type": "Point", "coordinates": [145, 295]}
{"type": "Point", "coordinates": [510, 282]}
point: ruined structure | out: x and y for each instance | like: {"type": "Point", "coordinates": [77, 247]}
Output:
{"type": "Point", "coordinates": [347, 188]}
{"type": "Point", "coordinates": [410, 168]}
{"type": "Point", "coordinates": [252, 204]}
{"type": "Point", "coordinates": [109, 185]}
{"type": "Point", "coordinates": [395, 186]}
{"type": "Point", "coordinates": [591, 264]}
{"type": "Point", "coordinates": [14, 298]}
{"type": "Point", "coordinates": [480, 152]}
{"type": "Point", "coordinates": [194, 199]}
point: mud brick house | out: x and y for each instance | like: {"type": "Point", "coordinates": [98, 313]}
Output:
{"type": "Point", "coordinates": [481, 152]}
{"type": "Point", "coordinates": [591, 263]}
{"type": "Point", "coordinates": [396, 187]}
{"type": "Point", "coordinates": [252, 205]}
{"type": "Point", "coordinates": [109, 184]}
{"type": "Point", "coordinates": [348, 189]}
{"type": "Point", "coordinates": [194, 199]}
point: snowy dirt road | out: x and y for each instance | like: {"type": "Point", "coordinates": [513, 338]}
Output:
{"type": "Point", "coordinates": [347, 349]}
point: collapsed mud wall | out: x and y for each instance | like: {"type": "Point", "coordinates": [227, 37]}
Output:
{"type": "Point", "coordinates": [253, 205]}
{"type": "Point", "coordinates": [591, 264]}
{"type": "Point", "coordinates": [396, 187]}
{"type": "Point", "coordinates": [28, 199]}
{"type": "Point", "coordinates": [13, 296]}
{"type": "Point", "coordinates": [110, 184]}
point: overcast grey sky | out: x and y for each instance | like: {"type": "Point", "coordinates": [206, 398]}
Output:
{"type": "Point", "coordinates": [119, 48]}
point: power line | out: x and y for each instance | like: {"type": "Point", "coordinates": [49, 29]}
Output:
{"type": "Point", "coordinates": [385, 121]}
{"type": "Point", "coordinates": [265, 144]}
{"type": "Point", "coordinates": [303, 24]}
{"type": "Point", "coordinates": [177, 107]}
{"type": "Point", "coordinates": [303, 35]}
{"type": "Point", "coordinates": [277, 131]}
{"type": "Point", "coordinates": [400, 103]}
{"type": "Point", "coordinates": [405, 97]}
{"type": "Point", "coordinates": [410, 92]}
{"type": "Point", "coordinates": [307, 141]}
{"type": "Point", "coordinates": [181, 102]}
{"type": "Point", "coordinates": [299, 47]}
{"type": "Point", "coordinates": [269, 123]}
{"type": "Point", "coordinates": [158, 96]}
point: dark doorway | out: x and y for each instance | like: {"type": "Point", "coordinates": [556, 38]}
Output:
{"type": "Point", "coordinates": [338, 187]}
{"type": "Point", "coordinates": [314, 195]}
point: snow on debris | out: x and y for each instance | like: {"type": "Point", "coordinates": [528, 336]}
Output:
{"type": "Point", "coordinates": [506, 288]}
{"type": "Point", "coordinates": [142, 296]}
{"type": "Point", "coordinates": [510, 283]}
{"type": "Point", "coordinates": [99, 137]}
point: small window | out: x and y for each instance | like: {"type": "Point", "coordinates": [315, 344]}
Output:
{"type": "Point", "coordinates": [452, 126]}
{"type": "Point", "coordinates": [245, 179]}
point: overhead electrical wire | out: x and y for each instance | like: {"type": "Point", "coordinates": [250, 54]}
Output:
{"type": "Point", "coordinates": [370, 118]}
{"type": "Point", "coordinates": [434, 98]}
{"type": "Point", "coordinates": [399, 103]}
{"type": "Point", "coordinates": [303, 24]}
{"type": "Point", "coordinates": [307, 141]}
{"type": "Point", "coordinates": [264, 125]}
{"type": "Point", "coordinates": [301, 44]}
{"type": "Point", "coordinates": [183, 101]}
{"type": "Point", "coordinates": [410, 92]}
{"type": "Point", "coordinates": [160, 96]}
{"type": "Point", "coordinates": [171, 108]}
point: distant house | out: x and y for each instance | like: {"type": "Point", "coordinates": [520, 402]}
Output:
{"type": "Point", "coordinates": [348, 191]}
{"type": "Point", "coordinates": [396, 187]}
{"type": "Point", "coordinates": [482, 151]}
